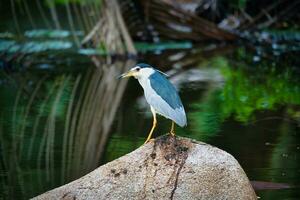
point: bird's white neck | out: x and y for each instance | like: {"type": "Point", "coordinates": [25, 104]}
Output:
{"type": "Point", "coordinates": [144, 75]}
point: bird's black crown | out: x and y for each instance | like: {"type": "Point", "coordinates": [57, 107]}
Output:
{"type": "Point", "coordinates": [144, 65]}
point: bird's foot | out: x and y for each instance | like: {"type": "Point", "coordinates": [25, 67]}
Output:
{"type": "Point", "coordinates": [148, 140]}
{"type": "Point", "coordinates": [172, 133]}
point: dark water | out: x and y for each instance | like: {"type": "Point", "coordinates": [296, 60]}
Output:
{"type": "Point", "coordinates": [60, 116]}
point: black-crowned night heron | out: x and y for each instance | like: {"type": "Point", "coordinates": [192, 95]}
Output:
{"type": "Point", "coordinates": [160, 94]}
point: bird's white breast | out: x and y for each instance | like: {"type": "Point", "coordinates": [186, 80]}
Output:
{"type": "Point", "coordinates": [145, 83]}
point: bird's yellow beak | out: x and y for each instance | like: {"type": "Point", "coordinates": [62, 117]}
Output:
{"type": "Point", "coordinates": [128, 74]}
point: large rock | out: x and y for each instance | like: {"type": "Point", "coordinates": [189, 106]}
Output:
{"type": "Point", "coordinates": [165, 168]}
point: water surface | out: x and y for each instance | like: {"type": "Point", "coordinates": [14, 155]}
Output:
{"type": "Point", "coordinates": [60, 116]}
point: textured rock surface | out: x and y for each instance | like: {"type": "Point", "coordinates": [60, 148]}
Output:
{"type": "Point", "coordinates": [165, 168]}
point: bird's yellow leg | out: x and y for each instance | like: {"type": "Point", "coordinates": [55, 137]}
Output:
{"type": "Point", "coordinates": [153, 125]}
{"type": "Point", "coordinates": [172, 131]}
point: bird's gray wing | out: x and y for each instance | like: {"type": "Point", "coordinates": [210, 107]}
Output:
{"type": "Point", "coordinates": [163, 97]}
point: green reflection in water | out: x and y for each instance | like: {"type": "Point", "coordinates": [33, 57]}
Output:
{"type": "Point", "coordinates": [243, 94]}
{"type": "Point", "coordinates": [54, 125]}
{"type": "Point", "coordinates": [31, 113]}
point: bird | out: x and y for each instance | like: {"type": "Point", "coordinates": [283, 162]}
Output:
{"type": "Point", "coordinates": [160, 94]}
